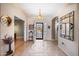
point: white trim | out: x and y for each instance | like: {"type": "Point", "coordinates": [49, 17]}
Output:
{"type": "Point", "coordinates": [64, 51]}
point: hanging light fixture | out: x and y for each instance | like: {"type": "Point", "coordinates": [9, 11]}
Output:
{"type": "Point", "coordinates": [39, 17]}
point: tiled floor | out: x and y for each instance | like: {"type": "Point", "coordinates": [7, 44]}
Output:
{"type": "Point", "coordinates": [38, 48]}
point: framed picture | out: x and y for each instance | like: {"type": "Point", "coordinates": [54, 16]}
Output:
{"type": "Point", "coordinates": [31, 27]}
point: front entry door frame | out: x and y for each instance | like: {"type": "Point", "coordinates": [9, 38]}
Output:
{"type": "Point", "coordinates": [41, 29]}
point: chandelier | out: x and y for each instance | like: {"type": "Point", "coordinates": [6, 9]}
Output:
{"type": "Point", "coordinates": [39, 17]}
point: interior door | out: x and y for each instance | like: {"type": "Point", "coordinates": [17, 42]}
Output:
{"type": "Point", "coordinates": [39, 30]}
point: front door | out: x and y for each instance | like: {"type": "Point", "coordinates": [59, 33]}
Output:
{"type": "Point", "coordinates": [39, 30]}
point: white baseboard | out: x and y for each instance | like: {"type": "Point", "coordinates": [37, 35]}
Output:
{"type": "Point", "coordinates": [64, 51]}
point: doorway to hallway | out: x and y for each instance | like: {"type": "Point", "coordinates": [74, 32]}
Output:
{"type": "Point", "coordinates": [55, 28]}
{"type": "Point", "coordinates": [18, 32]}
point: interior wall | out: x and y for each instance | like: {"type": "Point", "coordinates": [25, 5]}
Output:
{"type": "Point", "coordinates": [78, 26]}
{"type": "Point", "coordinates": [69, 47]}
{"type": "Point", "coordinates": [10, 10]}
{"type": "Point", "coordinates": [53, 29]}
{"type": "Point", "coordinates": [47, 30]}
{"type": "Point", "coordinates": [49, 21]}
{"type": "Point", "coordinates": [0, 23]}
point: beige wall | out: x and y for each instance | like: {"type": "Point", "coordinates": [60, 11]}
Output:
{"type": "Point", "coordinates": [69, 47]}
{"type": "Point", "coordinates": [0, 31]}
{"type": "Point", "coordinates": [10, 10]}
{"type": "Point", "coordinates": [78, 26]}
{"type": "Point", "coordinates": [53, 28]}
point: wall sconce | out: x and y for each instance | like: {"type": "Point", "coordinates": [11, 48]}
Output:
{"type": "Point", "coordinates": [48, 27]}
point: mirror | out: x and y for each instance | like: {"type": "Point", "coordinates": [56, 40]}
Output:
{"type": "Point", "coordinates": [67, 26]}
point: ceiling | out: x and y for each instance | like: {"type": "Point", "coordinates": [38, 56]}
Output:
{"type": "Point", "coordinates": [46, 8]}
